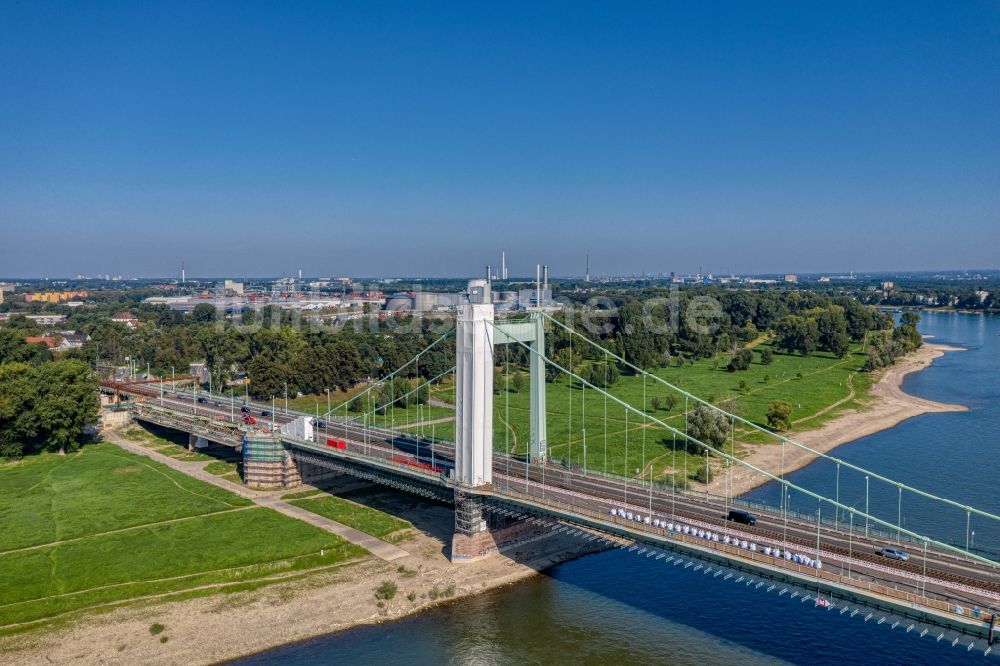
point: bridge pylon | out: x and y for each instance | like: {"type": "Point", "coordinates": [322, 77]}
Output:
{"type": "Point", "coordinates": [476, 336]}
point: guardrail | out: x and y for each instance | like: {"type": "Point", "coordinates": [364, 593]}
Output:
{"type": "Point", "coordinates": [959, 617]}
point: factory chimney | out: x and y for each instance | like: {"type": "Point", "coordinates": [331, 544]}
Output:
{"type": "Point", "coordinates": [586, 276]}
{"type": "Point", "coordinates": [545, 281]}
{"type": "Point", "coordinates": [183, 275]}
{"type": "Point", "coordinates": [503, 264]}
{"type": "Point", "coordinates": [538, 284]}
{"type": "Point", "coordinates": [488, 273]}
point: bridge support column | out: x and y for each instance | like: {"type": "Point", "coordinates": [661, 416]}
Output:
{"type": "Point", "coordinates": [474, 388]}
{"type": "Point", "coordinates": [266, 463]}
{"type": "Point", "coordinates": [196, 442]}
{"type": "Point", "coordinates": [539, 448]}
{"type": "Point", "coordinates": [479, 533]}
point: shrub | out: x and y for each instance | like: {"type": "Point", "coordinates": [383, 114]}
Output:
{"type": "Point", "coordinates": [412, 596]}
{"type": "Point", "coordinates": [779, 415]}
{"type": "Point", "coordinates": [741, 361]}
{"type": "Point", "coordinates": [387, 590]}
{"type": "Point", "coordinates": [156, 628]}
{"type": "Point", "coordinates": [704, 474]}
{"type": "Point", "coordinates": [766, 356]}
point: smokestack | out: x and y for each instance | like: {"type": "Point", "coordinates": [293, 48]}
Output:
{"type": "Point", "coordinates": [503, 264]}
{"type": "Point", "coordinates": [586, 277]}
{"type": "Point", "coordinates": [183, 275]}
{"type": "Point", "coordinates": [545, 280]}
{"type": "Point", "coordinates": [300, 273]}
{"type": "Point", "coordinates": [538, 284]}
{"type": "Point", "coordinates": [488, 273]}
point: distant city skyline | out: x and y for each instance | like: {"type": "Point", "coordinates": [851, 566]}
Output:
{"type": "Point", "coordinates": [396, 139]}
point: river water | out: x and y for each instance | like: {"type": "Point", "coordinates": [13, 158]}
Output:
{"type": "Point", "coordinates": [618, 607]}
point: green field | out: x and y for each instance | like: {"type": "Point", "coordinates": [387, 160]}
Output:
{"type": "Point", "coordinates": [103, 526]}
{"type": "Point", "coordinates": [360, 517]}
{"type": "Point", "coordinates": [818, 387]}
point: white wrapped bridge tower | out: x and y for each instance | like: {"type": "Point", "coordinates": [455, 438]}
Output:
{"type": "Point", "coordinates": [476, 336]}
{"type": "Point", "coordinates": [474, 387]}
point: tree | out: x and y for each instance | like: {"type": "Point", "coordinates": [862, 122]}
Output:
{"type": "Point", "coordinates": [909, 318]}
{"type": "Point", "coordinates": [741, 361]}
{"type": "Point", "coordinates": [709, 426]}
{"type": "Point", "coordinates": [518, 381]}
{"type": "Point", "coordinates": [604, 374]}
{"type": "Point", "coordinates": [831, 326]}
{"type": "Point", "coordinates": [639, 344]}
{"type": "Point", "coordinates": [670, 401]}
{"type": "Point", "coordinates": [13, 348]}
{"type": "Point", "coordinates": [655, 401]}
{"type": "Point", "coordinates": [704, 474]}
{"type": "Point", "coordinates": [203, 313]}
{"type": "Point", "coordinates": [333, 365]}
{"type": "Point", "coordinates": [766, 356]}
{"type": "Point", "coordinates": [18, 421]}
{"type": "Point", "coordinates": [797, 333]}
{"type": "Point", "coordinates": [267, 377]}
{"type": "Point", "coordinates": [67, 402]}
{"type": "Point", "coordinates": [779, 415]}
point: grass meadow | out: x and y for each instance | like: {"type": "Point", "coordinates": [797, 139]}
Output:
{"type": "Point", "coordinates": [102, 526]}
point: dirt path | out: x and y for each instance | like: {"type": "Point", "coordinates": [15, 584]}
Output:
{"type": "Point", "coordinates": [377, 547]}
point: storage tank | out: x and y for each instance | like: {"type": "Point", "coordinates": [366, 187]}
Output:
{"type": "Point", "coordinates": [424, 301]}
{"type": "Point", "coordinates": [399, 302]}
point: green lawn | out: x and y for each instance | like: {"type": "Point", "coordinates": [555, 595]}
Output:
{"type": "Point", "coordinates": [360, 517]}
{"type": "Point", "coordinates": [819, 387]}
{"type": "Point", "coordinates": [103, 526]}
{"type": "Point", "coordinates": [824, 381]}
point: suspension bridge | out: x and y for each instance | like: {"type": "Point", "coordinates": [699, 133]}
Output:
{"type": "Point", "coordinates": [503, 495]}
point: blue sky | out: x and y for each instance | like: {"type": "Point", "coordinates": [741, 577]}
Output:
{"type": "Point", "coordinates": [380, 138]}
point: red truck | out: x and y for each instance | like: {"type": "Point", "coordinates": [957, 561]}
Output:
{"type": "Point", "coordinates": [336, 443]}
{"type": "Point", "coordinates": [249, 420]}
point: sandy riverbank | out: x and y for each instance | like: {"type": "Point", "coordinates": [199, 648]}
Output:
{"type": "Point", "coordinates": [226, 626]}
{"type": "Point", "coordinates": [888, 407]}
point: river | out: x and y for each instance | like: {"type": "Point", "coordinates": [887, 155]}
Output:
{"type": "Point", "coordinates": [622, 608]}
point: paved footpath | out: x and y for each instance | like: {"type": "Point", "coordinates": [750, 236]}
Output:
{"type": "Point", "coordinates": [271, 500]}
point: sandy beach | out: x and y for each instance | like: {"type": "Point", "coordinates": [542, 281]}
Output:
{"type": "Point", "coordinates": [227, 626]}
{"type": "Point", "coordinates": [889, 406]}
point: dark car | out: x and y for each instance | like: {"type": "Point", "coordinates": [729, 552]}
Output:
{"type": "Point", "coordinates": [264, 412]}
{"type": "Point", "coordinates": [320, 424]}
{"type": "Point", "coordinates": [202, 400]}
{"type": "Point", "coordinates": [740, 516]}
{"type": "Point", "coordinates": [245, 409]}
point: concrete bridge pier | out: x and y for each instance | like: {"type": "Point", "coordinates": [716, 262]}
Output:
{"type": "Point", "coordinates": [480, 533]}
{"type": "Point", "coordinates": [196, 442]}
